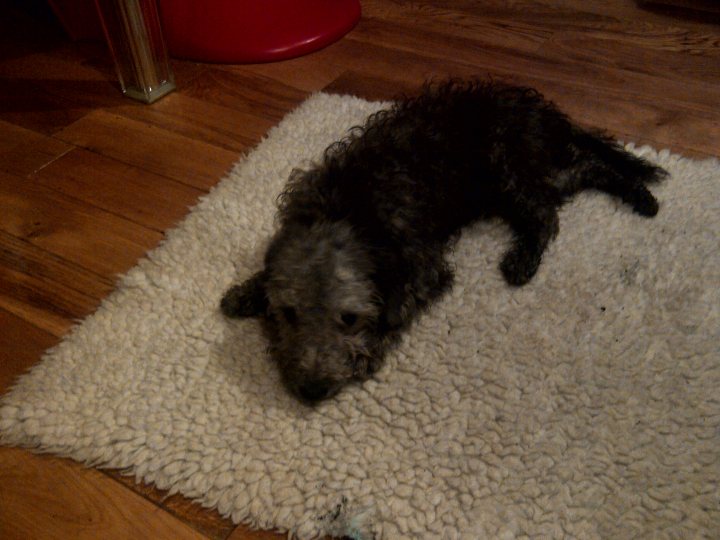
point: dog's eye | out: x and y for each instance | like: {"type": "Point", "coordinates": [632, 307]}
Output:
{"type": "Point", "coordinates": [348, 319]}
{"type": "Point", "coordinates": [289, 314]}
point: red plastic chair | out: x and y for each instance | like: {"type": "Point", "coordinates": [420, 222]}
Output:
{"type": "Point", "coordinates": [244, 31]}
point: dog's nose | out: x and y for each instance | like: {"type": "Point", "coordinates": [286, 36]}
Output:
{"type": "Point", "coordinates": [314, 391]}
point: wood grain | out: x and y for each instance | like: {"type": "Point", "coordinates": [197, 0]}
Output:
{"type": "Point", "coordinates": [370, 87]}
{"type": "Point", "coordinates": [89, 180]}
{"type": "Point", "coordinates": [46, 497]}
{"type": "Point", "coordinates": [147, 146]}
{"type": "Point", "coordinates": [21, 344]}
{"type": "Point", "coordinates": [23, 104]}
{"type": "Point", "coordinates": [308, 73]}
{"type": "Point", "coordinates": [483, 31]}
{"type": "Point", "coordinates": [86, 235]}
{"type": "Point", "coordinates": [44, 289]}
{"type": "Point", "coordinates": [208, 522]}
{"type": "Point", "coordinates": [545, 64]}
{"type": "Point", "coordinates": [624, 118]}
{"type": "Point", "coordinates": [145, 198]}
{"type": "Point", "coordinates": [23, 151]}
{"type": "Point", "coordinates": [202, 120]}
{"type": "Point", "coordinates": [248, 93]}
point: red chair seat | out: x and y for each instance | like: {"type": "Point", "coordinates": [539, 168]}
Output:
{"type": "Point", "coordinates": [243, 31]}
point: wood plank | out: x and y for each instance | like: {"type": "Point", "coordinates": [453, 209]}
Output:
{"type": "Point", "coordinates": [696, 5]}
{"type": "Point", "coordinates": [372, 88]}
{"type": "Point", "coordinates": [609, 19]}
{"type": "Point", "coordinates": [150, 147]}
{"type": "Point", "coordinates": [202, 120]}
{"type": "Point", "coordinates": [23, 151]}
{"type": "Point", "coordinates": [52, 307]}
{"type": "Point", "coordinates": [547, 15]}
{"type": "Point", "coordinates": [687, 95]}
{"type": "Point", "coordinates": [308, 73]}
{"type": "Point", "coordinates": [661, 38]}
{"type": "Point", "coordinates": [491, 33]}
{"type": "Point", "coordinates": [629, 54]}
{"type": "Point", "coordinates": [249, 93]}
{"type": "Point", "coordinates": [145, 198]}
{"type": "Point", "coordinates": [81, 233]}
{"type": "Point", "coordinates": [378, 61]}
{"type": "Point", "coordinates": [643, 121]}
{"type": "Point", "coordinates": [629, 120]}
{"type": "Point", "coordinates": [47, 92]}
{"type": "Point", "coordinates": [44, 289]}
{"type": "Point", "coordinates": [431, 48]}
{"type": "Point", "coordinates": [629, 11]}
{"type": "Point", "coordinates": [635, 115]}
{"type": "Point", "coordinates": [22, 255]}
{"type": "Point", "coordinates": [48, 497]}
{"type": "Point", "coordinates": [243, 532]}
{"type": "Point", "coordinates": [95, 55]}
{"type": "Point", "coordinates": [23, 104]}
{"type": "Point", "coordinates": [21, 345]}
{"type": "Point", "coordinates": [208, 522]}
{"type": "Point", "coordinates": [60, 64]}
{"type": "Point", "coordinates": [569, 14]}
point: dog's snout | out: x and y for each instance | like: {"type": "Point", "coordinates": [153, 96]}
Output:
{"type": "Point", "coordinates": [314, 391]}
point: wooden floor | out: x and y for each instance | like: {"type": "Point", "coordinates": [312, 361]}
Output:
{"type": "Point", "coordinates": [89, 180]}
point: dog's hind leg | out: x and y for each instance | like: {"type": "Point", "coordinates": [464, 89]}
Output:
{"type": "Point", "coordinates": [603, 165]}
{"type": "Point", "coordinates": [534, 225]}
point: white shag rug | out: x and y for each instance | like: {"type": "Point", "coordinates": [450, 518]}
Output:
{"type": "Point", "coordinates": [585, 404]}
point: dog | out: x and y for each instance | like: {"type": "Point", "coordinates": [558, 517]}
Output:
{"type": "Point", "coordinates": [364, 233]}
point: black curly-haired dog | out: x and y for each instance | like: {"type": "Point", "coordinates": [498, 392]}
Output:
{"type": "Point", "coordinates": [364, 233]}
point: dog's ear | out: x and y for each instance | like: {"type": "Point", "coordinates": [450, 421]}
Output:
{"type": "Point", "coordinates": [248, 299]}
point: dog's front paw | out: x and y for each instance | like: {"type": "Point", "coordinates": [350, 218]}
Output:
{"type": "Point", "coordinates": [366, 366]}
{"type": "Point", "coordinates": [374, 365]}
{"type": "Point", "coordinates": [246, 300]}
{"type": "Point", "coordinates": [519, 267]}
{"type": "Point", "coordinates": [233, 302]}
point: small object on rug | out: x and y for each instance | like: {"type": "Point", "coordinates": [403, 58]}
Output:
{"type": "Point", "coordinates": [350, 523]}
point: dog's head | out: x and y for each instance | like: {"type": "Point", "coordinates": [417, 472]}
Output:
{"type": "Point", "coordinates": [320, 307]}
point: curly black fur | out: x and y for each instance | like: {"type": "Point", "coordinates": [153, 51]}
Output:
{"type": "Point", "coordinates": [390, 199]}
